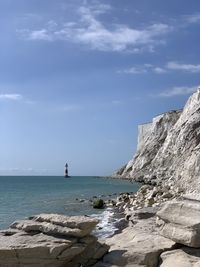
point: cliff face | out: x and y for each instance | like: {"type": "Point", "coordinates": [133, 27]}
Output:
{"type": "Point", "coordinates": [169, 149]}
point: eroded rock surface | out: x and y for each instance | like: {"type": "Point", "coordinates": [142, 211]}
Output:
{"type": "Point", "coordinates": [51, 240]}
{"type": "Point", "coordinates": [168, 151]}
{"type": "Point", "coordinates": [181, 222]}
{"type": "Point", "coordinates": [185, 257]}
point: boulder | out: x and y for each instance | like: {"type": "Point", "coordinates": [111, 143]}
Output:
{"type": "Point", "coordinates": [185, 257]}
{"type": "Point", "coordinates": [98, 203]}
{"type": "Point", "coordinates": [181, 222]}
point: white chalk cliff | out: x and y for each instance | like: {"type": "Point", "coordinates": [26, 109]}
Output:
{"type": "Point", "coordinates": [169, 149]}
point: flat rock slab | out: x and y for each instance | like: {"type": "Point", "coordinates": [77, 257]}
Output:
{"type": "Point", "coordinates": [186, 213]}
{"type": "Point", "coordinates": [51, 240]}
{"type": "Point", "coordinates": [54, 224]}
{"type": "Point", "coordinates": [35, 249]}
{"type": "Point", "coordinates": [81, 222]}
{"type": "Point", "coordinates": [47, 228]}
{"type": "Point", "coordinates": [186, 257]}
{"type": "Point", "coordinates": [181, 222]}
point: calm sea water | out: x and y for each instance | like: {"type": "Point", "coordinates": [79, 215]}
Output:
{"type": "Point", "coordinates": [22, 196]}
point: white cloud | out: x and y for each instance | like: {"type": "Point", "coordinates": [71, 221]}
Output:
{"type": "Point", "coordinates": [42, 34]}
{"type": "Point", "coordinates": [193, 18]}
{"type": "Point", "coordinates": [15, 97]}
{"type": "Point", "coordinates": [134, 70]}
{"type": "Point", "coordinates": [159, 70]}
{"type": "Point", "coordinates": [90, 31]}
{"type": "Point", "coordinates": [147, 65]}
{"type": "Point", "coordinates": [170, 66]}
{"type": "Point", "coordinates": [183, 67]}
{"type": "Point", "coordinates": [176, 91]}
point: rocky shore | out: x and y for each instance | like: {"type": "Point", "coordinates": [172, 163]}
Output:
{"type": "Point", "coordinates": [164, 215]}
{"type": "Point", "coordinates": [162, 232]}
{"type": "Point", "coordinates": [159, 226]}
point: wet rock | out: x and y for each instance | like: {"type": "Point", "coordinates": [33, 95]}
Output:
{"type": "Point", "coordinates": [98, 204]}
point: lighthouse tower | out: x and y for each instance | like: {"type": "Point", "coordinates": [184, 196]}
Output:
{"type": "Point", "coordinates": [66, 170]}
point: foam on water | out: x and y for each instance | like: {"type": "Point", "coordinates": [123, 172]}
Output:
{"type": "Point", "coordinates": [109, 223]}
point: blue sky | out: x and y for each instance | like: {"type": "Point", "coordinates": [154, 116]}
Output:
{"type": "Point", "coordinates": [77, 77]}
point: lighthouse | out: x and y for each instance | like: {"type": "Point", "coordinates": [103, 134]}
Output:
{"type": "Point", "coordinates": [66, 170]}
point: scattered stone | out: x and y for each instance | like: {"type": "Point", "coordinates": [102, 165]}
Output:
{"type": "Point", "coordinates": [98, 204]}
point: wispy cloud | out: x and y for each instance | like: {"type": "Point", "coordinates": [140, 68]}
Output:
{"type": "Point", "coordinates": [90, 31]}
{"type": "Point", "coordinates": [145, 68]}
{"type": "Point", "coordinates": [159, 70]}
{"type": "Point", "coordinates": [192, 18]}
{"type": "Point", "coordinates": [168, 67]}
{"type": "Point", "coordinates": [134, 70]}
{"type": "Point", "coordinates": [177, 91]}
{"type": "Point", "coordinates": [183, 67]}
{"type": "Point", "coordinates": [14, 97]}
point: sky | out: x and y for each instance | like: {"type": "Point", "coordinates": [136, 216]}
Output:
{"type": "Point", "coordinates": [77, 77]}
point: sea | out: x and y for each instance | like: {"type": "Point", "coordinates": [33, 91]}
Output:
{"type": "Point", "coordinates": [24, 196]}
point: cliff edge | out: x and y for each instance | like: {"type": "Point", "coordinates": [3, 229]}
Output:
{"type": "Point", "coordinates": [168, 150]}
